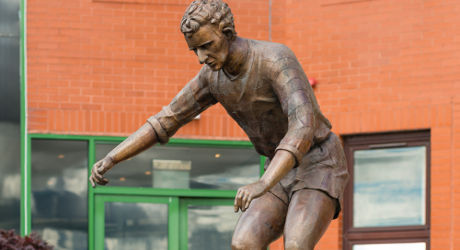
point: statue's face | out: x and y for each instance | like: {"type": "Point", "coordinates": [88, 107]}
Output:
{"type": "Point", "coordinates": [210, 45]}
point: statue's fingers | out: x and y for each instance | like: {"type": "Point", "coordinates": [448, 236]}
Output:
{"type": "Point", "coordinates": [248, 202]}
{"type": "Point", "coordinates": [104, 181]}
{"type": "Point", "coordinates": [92, 181]}
{"type": "Point", "coordinates": [237, 203]}
{"type": "Point", "coordinates": [244, 201]}
{"type": "Point", "coordinates": [101, 169]}
{"type": "Point", "coordinates": [101, 181]}
{"type": "Point", "coordinates": [98, 177]}
{"type": "Point", "coordinates": [239, 200]}
{"type": "Point", "coordinates": [95, 180]}
{"type": "Point", "coordinates": [96, 171]}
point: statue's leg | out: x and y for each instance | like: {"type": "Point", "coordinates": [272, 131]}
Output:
{"type": "Point", "coordinates": [261, 224]}
{"type": "Point", "coordinates": [309, 214]}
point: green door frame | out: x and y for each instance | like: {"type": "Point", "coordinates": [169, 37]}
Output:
{"type": "Point", "coordinates": [173, 215]}
{"type": "Point", "coordinates": [177, 214]}
{"type": "Point", "coordinates": [175, 198]}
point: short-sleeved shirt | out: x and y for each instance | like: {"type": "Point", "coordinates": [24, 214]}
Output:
{"type": "Point", "coordinates": [271, 101]}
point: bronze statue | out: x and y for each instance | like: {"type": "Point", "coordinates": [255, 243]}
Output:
{"type": "Point", "coordinates": [265, 90]}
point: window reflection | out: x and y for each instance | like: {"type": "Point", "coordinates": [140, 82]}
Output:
{"type": "Point", "coordinates": [389, 187]}
{"type": "Point", "coordinates": [210, 227]}
{"type": "Point", "coordinates": [10, 178]}
{"type": "Point", "coordinates": [200, 167]}
{"type": "Point", "coordinates": [59, 192]}
{"type": "Point", "coordinates": [140, 226]}
{"type": "Point", "coordinates": [10, 137]}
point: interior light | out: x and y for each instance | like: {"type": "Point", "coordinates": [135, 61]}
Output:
{"type": "Point", "coordinates": [51, 182]}
{"type": "Point", "coordinates": [217, 155]}
{"type": "Point", "coordinates": [61, 156]}
{"type": "Point", "coordinates": [122, 179]}
{"type": "Point", "coordinates": [148, 173]}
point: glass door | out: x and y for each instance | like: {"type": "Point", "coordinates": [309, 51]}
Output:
{"type": "Point", "coordinates": [163, 223]}
{"type": "Point", "coordinates": [170, 197]}
{"type": "Point", "coordinates": [206, 223]}
{"type": "Point", "coordinates": [136, 222]}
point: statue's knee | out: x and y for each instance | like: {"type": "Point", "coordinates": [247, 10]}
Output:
{"type": "Point", "coordinates": [294, 244]}
{"type": "Point", "coordinates": [239, 243]}
{"type": "Point", "coordinates": [244, 243]}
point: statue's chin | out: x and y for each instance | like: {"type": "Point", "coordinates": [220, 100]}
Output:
{"type": "Point", "coordinates": [214, 67]}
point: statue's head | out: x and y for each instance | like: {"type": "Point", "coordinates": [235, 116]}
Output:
{"type": "Point", "coordinates": [209, 29]}
{"type": "Point", "coordinates": [202, 12]}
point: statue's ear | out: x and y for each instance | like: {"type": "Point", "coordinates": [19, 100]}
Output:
{"type": "Point", "coordinates": [228, 33]}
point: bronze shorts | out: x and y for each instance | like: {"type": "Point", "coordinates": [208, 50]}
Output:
{"type": "Point", "coordinates": [322, 168]}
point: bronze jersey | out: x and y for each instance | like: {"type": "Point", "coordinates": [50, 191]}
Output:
{"type": "Point", "coordinates": [274, 104]}
{"type": "Point", "coordinates": [271, 101]}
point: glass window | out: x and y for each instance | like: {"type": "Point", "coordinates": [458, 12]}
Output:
{"type": "Point", "coordinates": [59, 192]}
{"type": "Point", "coordinates": [386, 200]}
{"type": "Point", "coordinates": [136, 226]}
{"type": "Point", "coordinates": [10, 178]}
{"type": "Point", "coordinates": [185, 167]}
{"type": "Point", "coordinates": [389, 187]}
{"type": "Point", "coordinates": [210, 227]}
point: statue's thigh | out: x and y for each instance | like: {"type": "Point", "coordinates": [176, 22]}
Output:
{"type": "Point", "coordinates": [309, 214]}
{"type": "Point", "coordinates": [260, 224]}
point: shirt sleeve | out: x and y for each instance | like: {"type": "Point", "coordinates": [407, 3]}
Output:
{"type": "Point", "coordinates": [296, 97]}
{"type": "Point", "coordinates": [193, 99]}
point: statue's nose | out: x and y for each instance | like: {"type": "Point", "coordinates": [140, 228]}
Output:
{"type": "Point", "coordinates": [201, 56]}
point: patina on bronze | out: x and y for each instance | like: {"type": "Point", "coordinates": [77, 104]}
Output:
{"type": "Point", "coordinates": [265, 90]}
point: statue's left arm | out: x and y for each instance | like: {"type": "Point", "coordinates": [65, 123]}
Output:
{"type": "Point", "coordinates": [291, 87]}
{"type": "Point", "coordinates": [189, 102]}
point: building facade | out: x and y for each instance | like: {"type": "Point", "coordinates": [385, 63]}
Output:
{"type": "Point", "coordinates": [79, 76]}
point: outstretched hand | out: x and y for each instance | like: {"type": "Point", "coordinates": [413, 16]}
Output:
{"type": "Point", "coordinates": [99, 169]}
{"type": "Point", "coordinates": [247, 193]}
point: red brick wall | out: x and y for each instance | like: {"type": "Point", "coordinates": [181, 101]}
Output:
{"type": "Point", "coordinates": [104, 66]}
{"type": "Point", "coordinates": [387, 66]}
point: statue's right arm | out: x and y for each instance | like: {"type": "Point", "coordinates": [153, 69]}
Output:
{"type": "Point", "coordinates": [137, 142]}
{"type": "Point", "coordinates": [194, 98]}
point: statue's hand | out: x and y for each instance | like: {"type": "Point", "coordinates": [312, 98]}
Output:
{"type": "Point", "coordinates": [99, 169]}
{"type": "Point", "coordinates": [247, 193]}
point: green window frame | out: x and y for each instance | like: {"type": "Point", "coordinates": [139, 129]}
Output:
{"type": "Point", "coordinates": [173, 197]}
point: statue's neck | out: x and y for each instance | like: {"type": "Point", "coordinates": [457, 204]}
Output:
{"type": "Point", "coordinates": [237, 57]}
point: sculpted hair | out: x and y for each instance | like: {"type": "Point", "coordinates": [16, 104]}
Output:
{"type": "Point", "coordinates": [201, 12]}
